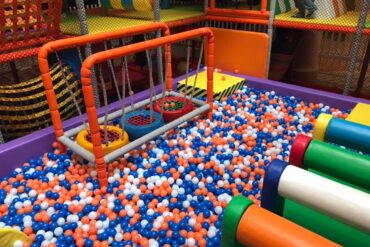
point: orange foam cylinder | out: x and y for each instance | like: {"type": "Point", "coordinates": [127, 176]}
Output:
{"type": "Point", "coordinates": [260, 227]}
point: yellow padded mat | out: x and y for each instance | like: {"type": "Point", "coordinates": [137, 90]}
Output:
{"type": "Point", "coordinates": [349, 19]}
{"type": "Point", "coordinates": [171, 14]}
{"type": "Point", "coordinates": [360, 114]}
{"type": "Point", "coordinates": [98, 24]}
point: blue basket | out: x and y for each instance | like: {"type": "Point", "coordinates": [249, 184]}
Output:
{"type": "Point", "coordinates": [136, 131]}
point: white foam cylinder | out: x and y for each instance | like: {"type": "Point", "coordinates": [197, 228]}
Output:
{"type": "Point", "coordinates": [339, 201]}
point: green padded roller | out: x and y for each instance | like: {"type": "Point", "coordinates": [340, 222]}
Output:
{"type": "Point", "coordinates": [337, 162]}
{"type": "Point", "coordinates": [232, 215]}
{"type": "Point", "coordinates": [325, 226]}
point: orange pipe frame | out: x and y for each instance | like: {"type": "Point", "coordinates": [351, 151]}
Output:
{"type": "Point", "coordinates": [213, 10]}
{"type": "Point", "coordinates": [237, 20]}
{"type": "Point", "coordinates": [63, 44]}
{"type": "Point", "coordinates": [260, 227]}
{"type": "Point", "coordinates": [103, 56]}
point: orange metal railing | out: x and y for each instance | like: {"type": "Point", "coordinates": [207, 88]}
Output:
{"type": "Point", "coordinates": [263, 13]}
{"type": "Point", "coordinates": [83, 40]}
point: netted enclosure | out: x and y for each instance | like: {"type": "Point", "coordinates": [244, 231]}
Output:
{"type": "Point", "coordinates": [109, 15]}
{"type": "Point", "coordinates": [330, 46]}
{"type": "Point", "coordinates": [24, 27]}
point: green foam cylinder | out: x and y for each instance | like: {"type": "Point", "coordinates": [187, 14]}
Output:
{"type": "Point", "coordinates": [324, 225]}
{"type": "Point", "coordinates": [339, 163]}
{"type": "Point", "coordinates": [232, 215]}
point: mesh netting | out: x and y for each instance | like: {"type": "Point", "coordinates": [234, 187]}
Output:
{"type": "Point", "coordinates": [31, 22]}
{"type": "Point", "coordinates": [111, 136]}
{"type": "Point", "coordinates": [24, 108]}
{"type": "Point", "coordinates": [237, 4]}
{"type": "Point", "coordinates": [141, 120]}
{"type": "Point", "coordinates": [109, 15]}
{"type": "Point", "coordinates": [338, 16]}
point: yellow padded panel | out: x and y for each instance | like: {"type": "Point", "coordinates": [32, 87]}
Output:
{"type": "Point", "coordinates": [360, 114]}
{"type": "Point", "coordinates": [223, 84]}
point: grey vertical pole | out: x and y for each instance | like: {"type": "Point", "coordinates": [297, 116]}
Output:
{"type": "Point", "coordinates": [356, 46]}
{"type": "Point", "coordinates": [1, 138]}
{"type": "Point", "coordinates": [81, 12]}
{"type": "Point", "coordinates": [206, 5]}
{"type": "Point", "coordinates": [270, 32]}
{"type": "Point", "coordinates": [157, 18]}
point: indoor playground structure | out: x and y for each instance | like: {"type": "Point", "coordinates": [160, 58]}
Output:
{"type": "Point", "coordinates": [153, 123]}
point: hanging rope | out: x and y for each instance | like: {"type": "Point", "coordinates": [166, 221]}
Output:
{"type": "Point", "coordinates": [123, 101]}
{"type": "Point", "coordinates": [198, 67]}
{"type": "Point", "coordinates": [71, 92]}
{"type": "Point", "coordinates": [151, 83]}
{"type": "Point", "coordinates": [188, 51]}
{"type": "Point", "coordinates": [111, 68]}
{"type": "Point", "coordinates": [80, 54]}
{"type": "Point", "coordinates": [164, 83]}
{"type": "Point", "coordinates": [105, 105]}
{"type": "Point", "coordinates": [131, 93]}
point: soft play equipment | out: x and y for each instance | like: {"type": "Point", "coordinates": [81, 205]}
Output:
{"type": "Point", "coordinates": [330, 209]}
{"type": "Point", "coordinates": [246, 224]}
{"type": "Point", "coordinates": [98, 156]}
{"type": "Point", "coordinates": [342, 132]}
{"type": "Point", "coordinates": [349, 167]}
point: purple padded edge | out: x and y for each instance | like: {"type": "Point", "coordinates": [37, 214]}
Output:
{"type": "Point", "coordinates": [307, 94]}
{"type": "Point", "coordinates": [14, 153]}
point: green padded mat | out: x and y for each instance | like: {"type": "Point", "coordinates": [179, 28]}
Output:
{"type": "Point", "coordinates": [98, 24]}
{"type": "Point", "coordinates": [167, 15]}
{"type": "Point", "coordinates": [323, 224]}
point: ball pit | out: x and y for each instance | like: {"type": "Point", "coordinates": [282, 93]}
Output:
{"type": "Point", "coordinates": [172, 191]}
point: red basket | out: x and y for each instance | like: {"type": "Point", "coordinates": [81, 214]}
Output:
{"type": "Point", "coordinates": [170, 115]}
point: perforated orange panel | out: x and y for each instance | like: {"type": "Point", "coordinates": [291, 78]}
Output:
{"type": "Point", "coordinates": [246, 52]}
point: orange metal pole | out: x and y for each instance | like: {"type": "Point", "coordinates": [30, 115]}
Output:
{"type": "Point", "coordinates": [63, 44]}
{"type": "Point", "coordinates": [263, 6]}
{"type": "Point", "coordinates": [237, 20]}
{"type": "Point", "coordinates": [186, 21]}
{"type": "Point", "coordinates": [260, 227]}
{"type": "Point", "coordinates": [103, 56]}
{"type": "Point", "coordinates": [212, 4]}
